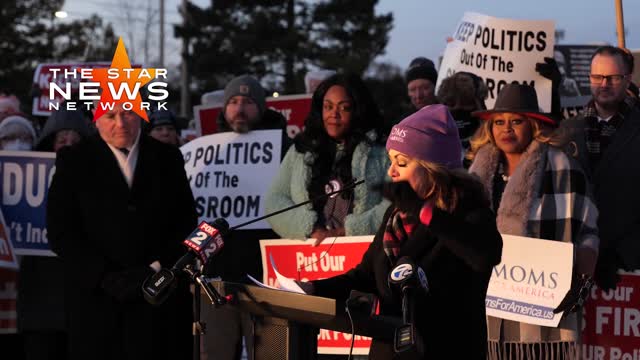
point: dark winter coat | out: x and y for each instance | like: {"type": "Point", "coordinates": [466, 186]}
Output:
{"type": "Point", "coordinates": [101, 228]}
{"type": "Point", "coordinates": [457, 252]}
{"type": "Point", "coordinates": [615, 181]}
{"type": "Point", "coordinates": [41, 303]}
{"type": "Point", "coordinates": [241, 252]}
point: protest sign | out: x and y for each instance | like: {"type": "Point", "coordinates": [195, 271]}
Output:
{"type": "Point", "coordinates": [301, 261]}
{"type": "Point", "coordinates": [8, 301]}
{"type": "Point", "coordinates": [230, 174]}
{"type": "Point", "coordinates": [8, 258]}
{"type": "Point", "coordinates": [294, 108]}
{"type": "Point", "coordinates": [611, 328]}
{"type": "Point", "coordinates": [26, 177]}
{"type": "Point", "coordinates": [44, 75]}
{"type": "Point", "coordinates": [531, 281]}
{"type": "Point", "coordinates": [500, 51]}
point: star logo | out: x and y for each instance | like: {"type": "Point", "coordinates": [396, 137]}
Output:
{"type": "Point", "coordinates": [122, 84]}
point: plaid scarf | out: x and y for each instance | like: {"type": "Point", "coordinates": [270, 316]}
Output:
{"type": "Point", "coordinates": [599, 134]}
{"type": "Point", "coordinates": [546, 197]}
{"type": "Point", "coordinates": [399, 227]}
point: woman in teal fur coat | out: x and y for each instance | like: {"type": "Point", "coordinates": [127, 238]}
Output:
{"type": "Point", "coordinates": [342, 142]}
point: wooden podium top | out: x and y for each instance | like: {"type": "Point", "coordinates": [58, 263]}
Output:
{"type": "Point", "coordinates": [315, 311]}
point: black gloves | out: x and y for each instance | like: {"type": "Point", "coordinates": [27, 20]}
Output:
{"type": "Point", "coordinates": [549, 69]}
{"type": "Point", "coordinates": [126, 285]}
{"type": "Point", "coordinates": [576, 296]}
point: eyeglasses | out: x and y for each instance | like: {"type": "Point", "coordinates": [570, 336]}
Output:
{"type": "Point", "coordinates": [613, 79]}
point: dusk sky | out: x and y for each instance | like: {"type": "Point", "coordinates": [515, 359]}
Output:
{"type": "Point", "coordinates": [421, 26]}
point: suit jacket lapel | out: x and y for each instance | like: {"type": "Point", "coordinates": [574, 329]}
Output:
{"type": "Point", "coordinates": [628, 130]}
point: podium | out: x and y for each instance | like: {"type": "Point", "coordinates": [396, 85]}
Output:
{"type": "Point", "coordinates": [286, 324]}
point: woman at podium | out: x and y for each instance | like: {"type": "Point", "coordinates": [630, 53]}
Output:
{"type": "Point", "coordinates": [441, 227]}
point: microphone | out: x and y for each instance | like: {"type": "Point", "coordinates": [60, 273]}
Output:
{"type": "Point", "coordinates": [204, 242]}
{"type": "Point", "coordinates": [409, 278]}
{"type": "Point", "coordinates": [406, 275]}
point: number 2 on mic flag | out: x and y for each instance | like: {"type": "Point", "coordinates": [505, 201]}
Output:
{"type": "Point", "coordinates": [205, 241]}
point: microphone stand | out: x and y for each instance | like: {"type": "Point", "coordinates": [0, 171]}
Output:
{"type": "Point", "coordinates": [407, 306]}
{"type": "Point", "coordinates": [200, 283]}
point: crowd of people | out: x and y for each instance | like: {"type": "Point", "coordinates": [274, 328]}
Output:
{"type": "Point", "coordinates": [441, 185]}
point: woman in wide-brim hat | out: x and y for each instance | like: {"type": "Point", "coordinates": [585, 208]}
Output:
{"type": "Point", "coordinates": [529, 178]}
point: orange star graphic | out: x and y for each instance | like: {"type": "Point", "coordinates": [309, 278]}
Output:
{"type": "Point", "coordinates": [121, 83]}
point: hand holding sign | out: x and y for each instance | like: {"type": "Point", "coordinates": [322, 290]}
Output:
{"type": "Point", "coordinates": [576, 296]}
{"type": "Point", "coordinates": [549, 70]}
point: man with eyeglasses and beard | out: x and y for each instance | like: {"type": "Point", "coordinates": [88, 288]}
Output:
{"type": "Point", "coordinates": [244, 110]}
{"type": "Point", "coordinates": [606, 141]}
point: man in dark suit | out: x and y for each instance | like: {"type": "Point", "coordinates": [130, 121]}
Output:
{"type": "Point", "coordinates": [606, 141]}
{"type": "Point", "coordinates": [118, 207]}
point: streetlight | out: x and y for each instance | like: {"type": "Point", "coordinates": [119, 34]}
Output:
{"type": "Point", "coordinates": [61, 14]}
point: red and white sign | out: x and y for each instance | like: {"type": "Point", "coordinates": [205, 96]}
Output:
{"type": "Point", "coordinates": [8, 283]}
{"type": "Point", "coordinates": [294, 108]}
{"type": "Point", "coordinates": [43, 76]}
{"type": "Point", "coordinates": [8, 299]}
{"type": "Point", "coordinates": [8, 258]}
{"type": "Point", "coordinates": [611, 328]}
{"type": "Point", "coordinates": [301, 261]}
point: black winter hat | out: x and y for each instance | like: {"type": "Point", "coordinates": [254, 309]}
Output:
{"type": "Point", "coordinates": [422, 72]}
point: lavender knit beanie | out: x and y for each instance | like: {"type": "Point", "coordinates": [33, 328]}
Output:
{"type": "Point", "coordinates": [429, 134]}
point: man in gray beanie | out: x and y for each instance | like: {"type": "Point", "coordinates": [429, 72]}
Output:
{"type": "Point", "coordinates": [245, 106]}
{"type": "Point", "coordinates": [244, 110]}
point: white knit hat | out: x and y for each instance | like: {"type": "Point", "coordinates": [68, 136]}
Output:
{"type": "Point", "coordinates": [9, 124]}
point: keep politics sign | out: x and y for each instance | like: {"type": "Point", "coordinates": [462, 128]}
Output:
{"type": "Point", "coordinates": [231, 173]}
{"type": "Point", "coordinates": [500, 51]}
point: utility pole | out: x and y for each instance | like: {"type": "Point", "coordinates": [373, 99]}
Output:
{"type": "Point", "coordinates": [161, 34]}
{"type": "Point", "coordinates": [620, 23]}
{"type": "Point", "coordinates": [184, 73]}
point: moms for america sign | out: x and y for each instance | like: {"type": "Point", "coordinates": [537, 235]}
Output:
{"type": "Point", "coordinates": [531, 281]}
{"type": "Point", "coordinates": [230, 174]}
{"type": "Point", "coordinates": [501, 51]}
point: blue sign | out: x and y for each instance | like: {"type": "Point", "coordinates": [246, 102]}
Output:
{"type": "Point", "coordinates": [26, 177]}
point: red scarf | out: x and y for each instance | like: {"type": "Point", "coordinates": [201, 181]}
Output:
{"type": "Point", "coordinates": [398, 229]}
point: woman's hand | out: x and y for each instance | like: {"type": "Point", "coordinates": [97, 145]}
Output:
{"type": "Point", "coordinates": [320, 234]}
